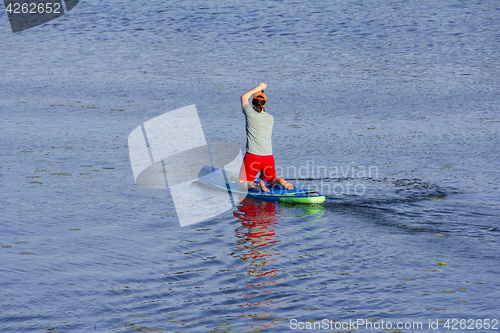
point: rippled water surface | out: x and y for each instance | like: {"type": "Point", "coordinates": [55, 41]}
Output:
{"type": "Point", "coordinates": [390, 108]}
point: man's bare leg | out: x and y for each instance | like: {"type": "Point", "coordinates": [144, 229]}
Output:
{"type": "Point", "coordinates": [282, 182]}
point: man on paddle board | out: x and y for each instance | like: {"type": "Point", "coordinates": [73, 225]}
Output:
{"type": "Point", "coordinates": [259, 151]}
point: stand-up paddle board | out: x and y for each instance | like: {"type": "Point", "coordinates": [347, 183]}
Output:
{"type": "Point", "coordinates": [229, 181]}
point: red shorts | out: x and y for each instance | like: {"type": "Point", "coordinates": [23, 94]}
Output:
{"type": "Point", "coordinates": [253, 164]}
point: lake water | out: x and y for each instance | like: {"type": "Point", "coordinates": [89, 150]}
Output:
{"type": "Point", "coordinates": [408, 90]}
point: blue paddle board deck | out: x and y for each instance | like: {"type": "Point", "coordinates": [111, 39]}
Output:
{"type": "Point", "coordinates": [229, 181]}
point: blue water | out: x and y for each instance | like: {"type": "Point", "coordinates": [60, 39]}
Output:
{"type": "Point", "coordinates": [409, 88]}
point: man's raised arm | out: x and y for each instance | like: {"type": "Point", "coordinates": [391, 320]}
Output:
{"type": "Point", "coordinates": [246, 96]}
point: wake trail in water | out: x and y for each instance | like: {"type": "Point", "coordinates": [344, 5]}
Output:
{"type": "Point", "coordinates": [396, 203]}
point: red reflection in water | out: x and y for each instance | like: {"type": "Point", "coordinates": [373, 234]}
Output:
{"type": "Point", "coordinates": [256, 244]}
{"type": "Point", "coordinates": [257, 232]}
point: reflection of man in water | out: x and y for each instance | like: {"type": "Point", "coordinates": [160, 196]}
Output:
{"type": "Point", "coordinates": [259, 218]}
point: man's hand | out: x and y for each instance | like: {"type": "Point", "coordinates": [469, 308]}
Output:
{"type": "Point", "coordinates": [246, 96]}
